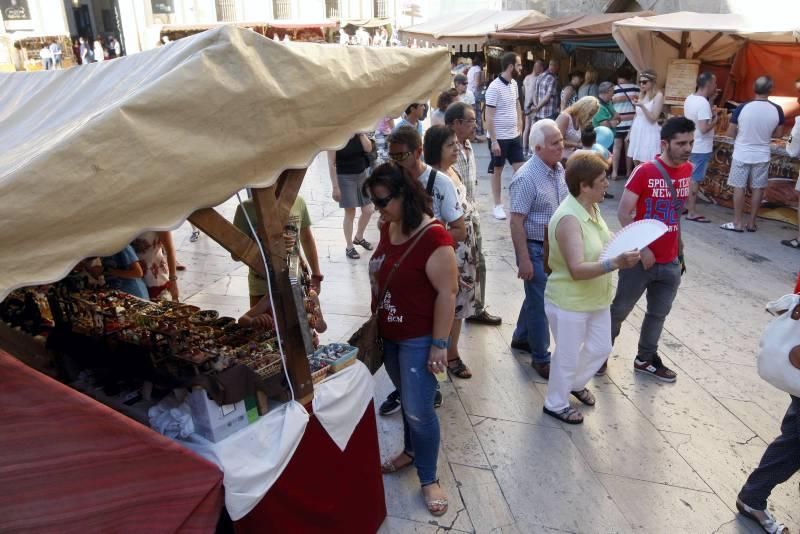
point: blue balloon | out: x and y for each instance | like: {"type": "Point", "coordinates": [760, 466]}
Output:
{"type": "Point", "coordinates": [600, 149]}
{"type": "Point", "coordinates": [605, 136]}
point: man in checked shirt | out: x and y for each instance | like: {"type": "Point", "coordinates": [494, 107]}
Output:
{"type": "Point", "coordinates": [536, 191]}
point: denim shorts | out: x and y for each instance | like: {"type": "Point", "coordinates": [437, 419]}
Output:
{"type": "Point", "coordinates": [700, 165]}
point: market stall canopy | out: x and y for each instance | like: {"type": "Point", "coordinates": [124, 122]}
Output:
{"type": "Point", "coordinates": [575, 28]}
{"type": "Point", "coordinates": [366, 23]}
{"type": "Point", "coordinates": [469, 30]}
{"type": "Point", "coordinates": [92, 156]}
{"type": "Point", "coordinates": [651, 42]}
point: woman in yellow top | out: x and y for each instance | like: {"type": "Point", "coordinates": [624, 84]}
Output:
{"type": "Point", "coordinates": [578, 293]}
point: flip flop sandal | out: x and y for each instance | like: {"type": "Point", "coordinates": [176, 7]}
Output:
{"type": "Point", "coordinates": [363, 243]}
{"type": "Point", "coordinates": [698, 219]}
{"type": "Point", "coordinates": [731, 228]}
{"type": "Point", "coordinates": [585, 396]}
{"type": "Point", "coordinates": [389, 466]}
{"type": "Point", "coordinates": [437, 507]}
{"type": "Point", "coordinates": [753, 228]}
{"type": "Point", "coordinates": [567, 415]}
{"type": "Point", "coordinates": [792, 243]}
{"type": "Point", "coordinates": [769, 523]}
{"type": "Point", "coordinates": [353, 254]}
{"type": "Point", "coordinates": [459, 369]}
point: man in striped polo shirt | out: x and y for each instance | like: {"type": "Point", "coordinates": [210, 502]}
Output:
{"type": "Point", "coordinates": [504, 122]}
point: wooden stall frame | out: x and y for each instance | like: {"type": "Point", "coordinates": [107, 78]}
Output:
{"type": "Point", "coordinates": [273, 205]}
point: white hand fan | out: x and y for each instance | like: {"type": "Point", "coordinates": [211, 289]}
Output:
{"type": "Point", "coordinates": [636, 235]}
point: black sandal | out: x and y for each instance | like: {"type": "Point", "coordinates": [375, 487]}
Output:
{"type": "Point", "coordinates": [363, 243]}
{"type": "Point", "coordinates": [460, 369]}
{"type": "Point", "coordinates": [352, 253]}
{"type": "Point", "coordinates": [791, 243]}
{"type": "Point", "coordinates": [585, 396]}
{"type": "Point", "coordinates": [567, 415]}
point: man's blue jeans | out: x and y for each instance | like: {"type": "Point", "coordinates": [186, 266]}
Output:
{"type": "Point", "coordinates": [532, 325]}
{"type": "Point", "coordinates": [406, 363]}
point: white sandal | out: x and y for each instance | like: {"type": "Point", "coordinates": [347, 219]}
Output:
{"type": "Point", "coordinates": [769, 523]}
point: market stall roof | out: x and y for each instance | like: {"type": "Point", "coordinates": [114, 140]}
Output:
{"type": "Point", "coordinates": [651, 42]}
{"type": "Point", "coordinates": [469, 29]}
{"type": "Point", "coordinates": [367, 23]}
{"type": "Point", "coordinates": [283, 24]}
{"type": "Point", "coordinates": [92, 156]}
{"type": "Point", "coordinates": [574, 28]}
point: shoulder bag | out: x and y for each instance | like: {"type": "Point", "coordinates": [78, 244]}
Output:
{"type": "Point", "coordinates": [779, 348]}
{"type": "Point", "coordinates": [678, 209]}
{"type": "Point", "coordinates": [367, 338]}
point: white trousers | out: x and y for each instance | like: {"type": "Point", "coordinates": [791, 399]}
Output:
{"type": "Point", "coordinates": [583, 343]}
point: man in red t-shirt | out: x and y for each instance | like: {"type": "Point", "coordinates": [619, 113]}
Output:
{"type": "Point", "coordinates": [648, 196]}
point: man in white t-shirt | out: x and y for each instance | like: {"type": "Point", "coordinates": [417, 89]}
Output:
{"type": "Point", "coordinates": [753, 125]}
{"type": "Point", "coordinates": [697, 108]}
{"type": "Point", "coordinates": [504, 123]}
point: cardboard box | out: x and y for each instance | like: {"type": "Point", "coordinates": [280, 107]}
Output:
{"type": "Point", "coordinates": [215, 422]}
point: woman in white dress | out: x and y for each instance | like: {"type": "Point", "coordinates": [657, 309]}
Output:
{"type": "Point", "coordinates": [645, 136]}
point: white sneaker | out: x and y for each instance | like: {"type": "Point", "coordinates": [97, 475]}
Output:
{"type": "Point", "coordinates": [499, 213]}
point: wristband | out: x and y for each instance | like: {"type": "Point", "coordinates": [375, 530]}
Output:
{"type": "Point", "coordinates": [173, 278]}
{"type": "Point", "coordinates": [317, 277]}
{"type": "Point", "coordinates": [607, 266]}
{"type": "Point", "coordinates": [440, 343]}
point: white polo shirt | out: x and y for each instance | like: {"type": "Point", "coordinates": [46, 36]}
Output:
{"type": "Point", "coordinates": [503, 97]}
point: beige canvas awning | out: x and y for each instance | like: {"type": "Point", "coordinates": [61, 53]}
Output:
{"type": "Point", "coordinates": [651, 42]}
{"type": "Point", "coordinates": [468, 30]}
{"type": "Point", "coordinates": [576, 27]}
{"type": "Point", "coordinates": [94, 155]}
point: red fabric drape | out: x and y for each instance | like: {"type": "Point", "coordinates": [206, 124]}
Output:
{"type": "Point", "coordinates": [325, 490]}
{"type": "Point", "coordinates": [71, 464]}
{"type": "Point", "coordinates": [778, 60]}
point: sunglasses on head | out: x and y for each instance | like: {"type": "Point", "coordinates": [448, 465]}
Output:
{"type": "Point", "coordinates": [381, 203]}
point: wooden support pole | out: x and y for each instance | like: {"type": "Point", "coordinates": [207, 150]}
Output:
{"type": "Point", "coordinates": [272, 212]}
{"type": "Point", "coordinates": [231, 238]}
{"type": "Point", "coordinates": [684, 45]}
{"type": "Point", "coordinates": [669, 40]}
{"type": "Point", "coordinates": [708, 45]}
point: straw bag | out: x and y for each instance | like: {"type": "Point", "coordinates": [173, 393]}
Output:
{"type": "Point", "coordinates": [779, 348]}
{"type": "Point", "coordinates": [368, 338]}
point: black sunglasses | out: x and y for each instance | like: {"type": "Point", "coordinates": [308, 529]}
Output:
{"type": "Point", "coordinates": [381, 203]}
{"type": "Point", "coordinates": [642, 82]}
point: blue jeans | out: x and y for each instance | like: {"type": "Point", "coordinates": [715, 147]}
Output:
{"type": "Point", "coordinates": [532, 325]}
{"type": "Point", "coordinates": [406, 363]}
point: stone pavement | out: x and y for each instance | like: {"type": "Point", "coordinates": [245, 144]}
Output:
{"type": "Point", "coordinates": [650, 457]}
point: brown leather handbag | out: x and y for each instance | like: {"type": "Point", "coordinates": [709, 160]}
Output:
{"type": "Point", "coordinates": [368, 337]}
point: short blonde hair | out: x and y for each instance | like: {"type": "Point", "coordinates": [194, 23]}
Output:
{"type": "Point", "coordinates": [583, 111]}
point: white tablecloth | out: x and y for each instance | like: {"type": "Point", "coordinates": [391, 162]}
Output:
{"type": "Point", "coordinates": [253, 458]}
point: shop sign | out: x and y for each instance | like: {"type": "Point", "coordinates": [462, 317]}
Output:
{"type": "Point", "coordinates": [163, 7]}
{"type": "Point", "coordinates": [16, 15]}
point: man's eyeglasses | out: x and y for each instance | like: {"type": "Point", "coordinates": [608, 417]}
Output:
{"type": "Point", "coordinates": [381, 203]}
{"type": "Point", "coordinates": [469, 121]}
{"type": "Point", "coordinates": [399, 156]}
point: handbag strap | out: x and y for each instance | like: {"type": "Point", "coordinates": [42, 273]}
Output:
{"type": "Point", "coordinates": [431, 182]}
{"type": "Point", "coordinates": [398, 262]}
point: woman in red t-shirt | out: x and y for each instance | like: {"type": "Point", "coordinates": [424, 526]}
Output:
{"type": "Point", "coordinates": [415, 313]}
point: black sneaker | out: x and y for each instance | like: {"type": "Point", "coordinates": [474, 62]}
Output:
{"type": "Point", "coordinates": [391, 404]}
{"type": "Point", "coordinates": [437, 399]}
{"type": "Point", "coordinates": [655, 368]}
{"type": "Point", "coordinates": [520, 345]}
